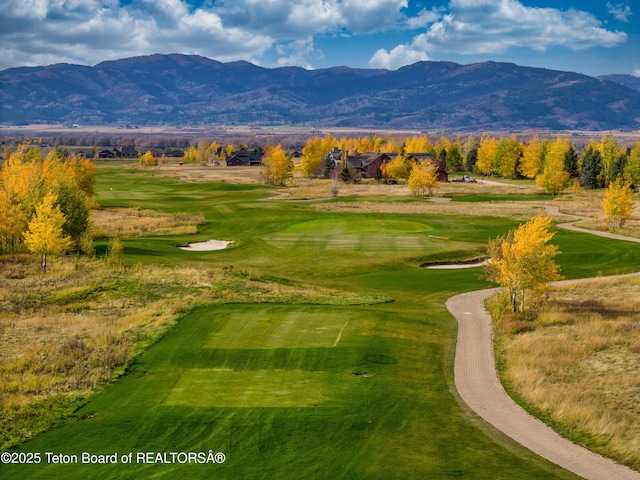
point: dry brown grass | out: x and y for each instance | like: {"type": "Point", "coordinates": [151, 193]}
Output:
{"type": "Point", "coordinates": [208, 173]}
{"type": "Point", "coordinates": [303, 188]}
{"type": "Point", "coordinates": [516, 210]}
{"type": "Point", "coordinates": [588, 203]}
{"type": "Point", "coordinates": [136, 222]}
{"type": "Point", "coordinates": [65, 333]}
{"type": "Point", "coordinates": [580, 364]}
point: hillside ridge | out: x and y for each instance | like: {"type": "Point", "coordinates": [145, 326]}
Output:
{"type": "Point", "coordinates": [194, 90]}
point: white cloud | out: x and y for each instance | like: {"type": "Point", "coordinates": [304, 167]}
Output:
{"type": "Point", "coordinates": [495, 26]}
{"type": "Point", "coordinates": [295, 20]}
{"type": "Point", "coordinates": [425, 17]}
{"type": "Point", "coordinates": [636, 72]}
{"type": "Point", "coordinates": [297, 53]}
{"type": "Point", "coordinates": [398, 57]}
{"type": "Point", "coordinates": [368, 16]}
{"type": "Point", "coordinates": [620, 11]}
{"type": "Point", "coordinates": [90, 31]}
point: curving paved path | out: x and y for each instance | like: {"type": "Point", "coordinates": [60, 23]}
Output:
{"type": "Point", "coordinates": [479, 387]}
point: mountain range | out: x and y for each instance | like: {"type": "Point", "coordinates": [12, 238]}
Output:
{"type": "Point", "coordinates": [193, 90]}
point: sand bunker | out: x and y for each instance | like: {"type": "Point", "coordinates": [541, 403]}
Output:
{"type": "Point", "coordinates": [207, 246]}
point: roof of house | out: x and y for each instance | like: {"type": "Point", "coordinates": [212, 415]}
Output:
{"type": "Point", "coordinates": [364, 159]}
{"type": "Point", "coordinates": [246, 156]}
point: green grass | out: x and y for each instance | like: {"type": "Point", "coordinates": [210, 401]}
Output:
{"type": "Point", "coordinates": [305, 391]}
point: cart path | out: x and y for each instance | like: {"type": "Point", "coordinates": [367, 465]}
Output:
{"type": "Point", "coordinates": [479, 387]}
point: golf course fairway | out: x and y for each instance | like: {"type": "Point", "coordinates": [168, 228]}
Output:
{"type": "Point", "coordinates": [349, 390]}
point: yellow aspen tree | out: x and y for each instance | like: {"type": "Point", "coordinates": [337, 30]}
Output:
{"type": "Point", "coordinates": [443, 143]}
{"type": "Point", "coordinates": [632, 169]}
{"type": "Point", "coordinates": [13, 217]}
{"type": "Point", "coordinates": [508, 153]}
{"type": "Point", "coordinates": [391, 146]}
{"type": "Point", "coordinates": [618, 203]}
{"type": "Point", "coordinates": [203, 150]}
{"type": "Point", "coordinates": [608, 147]}
{"type": "Point", "coordinates": [148, 160]}
{"type": "Point", "coordinates": [533, 156]}
{"type": "Point", "coordinates": [277, 168]}
{"type": "Point", "coordinates": [521, 262]}
{"type": "Point", "coordinates": [487, 155]}
{"type": "Point", "coordinates": [423, 179]}
{"type": "Point", "coordinates": [554, 178]}
{"type": "Point", "coordinates": [366, 144]}
{"type": "Point", "coordinates": [213, 150]}
{"type": "Point", "coordinates": [12, 220]}
{"type": "Point", "coordinates": [379, 144]}
{"type": "Point", "coordinates": [83, 171]}
{"type": "Point", "coordinates": [311, 157]}
{"type": "Point", "coordinates": [190, 155]}
{"type": "Point", "coordinates": [314, 153]}
{"type": "Point", "coordinates": [45, 235]}
{"type": "Point", "coordinates": [418, 144]}
{"type": "Point", "coordinates": [399, 168]}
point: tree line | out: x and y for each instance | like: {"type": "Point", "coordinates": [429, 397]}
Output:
{"type": "Point", "coordinates": [553, 163]}
{"type": "Point", "coordinates": [45, 203]}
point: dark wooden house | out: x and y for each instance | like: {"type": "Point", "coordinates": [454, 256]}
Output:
{"type": "Point", "coordinates": [245, 157]}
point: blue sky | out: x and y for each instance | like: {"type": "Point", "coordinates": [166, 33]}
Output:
{"type": "Point", "coordinates": [591, 37]}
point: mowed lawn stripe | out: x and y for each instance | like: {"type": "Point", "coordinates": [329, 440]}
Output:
{"type": "Point", "coordinates": [251, 389]}
{"type": "Point", "coordinates": [272, 327]}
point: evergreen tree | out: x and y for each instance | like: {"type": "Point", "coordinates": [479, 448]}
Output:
{"type": "Point", "coordinates": [472, 158]}
{"type": "Point", "coordinates": [328, 166]}
{"type": "Point", "coordinates": [378, 175]}
{"type": "Point", "coordinates": [571, 162]}
{"type": "Point", "coordinates": [592, 168]}
{"type": "Point", "coordinates": [346, 174]}
{"type": "Point", "coordinates": [454, 158]}
{"type": "Point", "coordinates": [618, 165]}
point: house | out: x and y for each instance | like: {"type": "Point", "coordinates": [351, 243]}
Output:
{"type": "Point", "coordinates": [335, 156]}
{"type": "Point", "coordinates": [443, 175]}
{"type": "Point", "coordinates": [364, 164]}
{"type": "Point", "coordinates": [129, 151]}
{"type": "Point", "coordinates": [174, 153]}
{"type": "Point", "coordinates": [106, 154]}
{"type": "Point", "coordinates": [245, 157]}
{"type": "Point", "coordinates": [367, 163]}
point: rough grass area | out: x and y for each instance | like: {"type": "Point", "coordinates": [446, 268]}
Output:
{"type": "Point", "coordinates": [516, 210]}
{"type": "Point", "coordinates": [136, 222]}
{"type": "Point", "coordinates": [588, 203]}
{"type": "Point", "coordinates": [69, 332]}
{"type": "Point", "coordinates": [304, 189]}
{"type": "Point", "coordinates": [578, 365]}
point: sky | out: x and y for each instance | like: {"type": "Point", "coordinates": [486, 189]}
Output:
{"type": "Point", "coordinates": [585, 36]}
